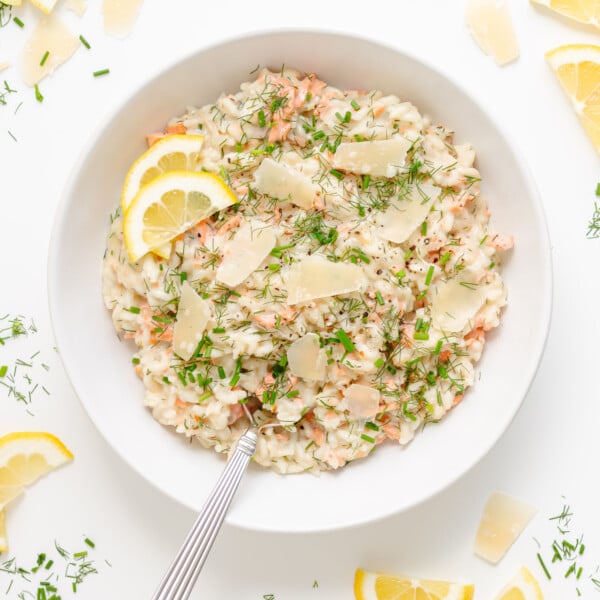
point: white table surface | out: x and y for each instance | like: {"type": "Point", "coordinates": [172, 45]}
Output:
{"type": "Point", "coordinates": [552, 447]}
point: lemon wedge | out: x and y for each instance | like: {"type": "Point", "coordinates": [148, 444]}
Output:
{"type": "Point", "coordinates": [583, 11]}
{"type": "Point", "coordinates": [46, 6]}
{"type": "Point", "coordinates": [369, 585]}
{"type": "Point", "coordinates": [3, 540]}
{"type": "Point", "coordinates": [170, 205]}
{"type": "Point", "coordinates": [577, 67]}
{"type": "Point", "coordinates": [523, 586]}
{"type": "Point", "coordinates": [8, 493]}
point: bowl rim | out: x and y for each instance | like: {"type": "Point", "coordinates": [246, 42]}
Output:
{"type": "Point", "coordinates": [545, 310]}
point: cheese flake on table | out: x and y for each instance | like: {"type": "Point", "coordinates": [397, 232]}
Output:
{"type": "Point", "coordinates": [243, 254]}
{"type": "Point", "coordinates": [77, 6]}
{"type": "Point", "coordinates": [52, 36]}
{"type": "Point", "coordinates": [120, 16]}
{"type": "Point", "coordinates": [4, 66]}
{"type": "Point", "coordinates": [380, 158]}
{"type": "Point", "coordinates": [455, 302]}
{"type": "Point", "coordinates": [402, 217]}
{"type": "Point", "coordinates": [362, 400]}
{"type": "Point", "coordinates": [316, 277]}
{"type": "Point", "coordinates": [193, 315]}
{"type": "Point", "coordinates": [280, 181]}
{"type": "Point", "coordinates": [504, 518]}
{"type": "Point", "coordinates": [491, 26]}
{"type": "Point", "coordinates": [306, 358]}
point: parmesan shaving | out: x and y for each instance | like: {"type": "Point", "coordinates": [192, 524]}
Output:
{"type": "Point", "coordinates": [491, 26]}
{"type": "Point", "coordinates": [455, 302]}
{"type": "Point", "coordinates": [77, 6]}
{"type": "Point", "coordinates": [381, 158]}
{"type": "Point", "coordinates": [4, 66]}
{"type": "Point", "coordinates": [120, 16]}
{"type": "Point", "coordinates": [504, 518]}
{"type": "Point", "coordinates": [398, 222]}
{"type": "Point", "coordinates": [243, 254]}
{"type": "Point", "coordinates": [362, 400]}
{"type": "Point", "coordinates": [317, 277]}
{"type": "Point", "coordinates": [52, 36]}
{"type": "Point", "coordinates": [192, 316]}
{"type": "Point", "coordinates": [280, 181]}
{"type": "Point", "coordinates": [306, 358]}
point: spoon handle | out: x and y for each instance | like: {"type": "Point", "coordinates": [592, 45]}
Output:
{"type": "Point", "coordinates": [179, 580]}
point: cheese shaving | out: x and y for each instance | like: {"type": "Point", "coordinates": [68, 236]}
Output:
{"type": "Point", "coordinates": [4, 66]}
{"type": "Point", "coordinates": [193, 315]}
{"type": "Point", "coordinates": [504, 518]}
{"type": "Point", "coordinates": [362, 400]}
{"type": "Point", "coordinates": [77, 6]}
{"type": "Point", "coordinates": [120, 16]}
{"type": "Point", "coordinates": [491, 26]}
{"type": "Point", "coordinates": [398, 222]}
{"type": "Point", "coordinates": [381, 158]}
{"type": "Point", "coordinates": [243, 254]}
{"type": "Point", "coordinates": [52, 36]}
{"type": "Point", "coordinates": [280, 181]}
{"type": "Point", "coordinates": [306, 358]}
{"type": "Point", "coordinates": [317, 277]}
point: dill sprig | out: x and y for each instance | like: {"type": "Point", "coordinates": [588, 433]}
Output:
{"type": "Point", "coordinates": [594, 223]}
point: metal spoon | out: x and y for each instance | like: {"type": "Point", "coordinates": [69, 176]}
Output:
{"type": "Point", "coordinates": [179, 580]}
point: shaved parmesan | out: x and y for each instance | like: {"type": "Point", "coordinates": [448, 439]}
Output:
{"type": "Point", "coordinates": [120, 16]}
{"type": "Point", "coordinates": [491, 26]}
{"type": "Point", "coordinates": [398, 222]}
{"type": "Point", "coordinates": [381, 158]}
{"type": "Point", "coordinates": [243, 254]}
{"type": "Point", "coordinates": [280, 181]}
{"type": "Point", "coordinates": [4, 66]}
{"type": "Point", "coordinates": [192, 316]}
{"type": "Point", "coordinates": [52, 36]}
{"type": "Point", "coordinates": [317, 277]}
{"type": "Point", "coordinates": [503, 520]}
{"type": "Point", "coordinates": [306, 358]}
{"type": "Point", "coordinates": [77, 6]}
{"type": "Point", "coordinates": [455, 302]}
{"type": "Point", "coordinates": [362, 400]}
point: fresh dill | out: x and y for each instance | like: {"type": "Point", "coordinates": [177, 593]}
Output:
{"type": "Point", "coordinates": [594, 223]}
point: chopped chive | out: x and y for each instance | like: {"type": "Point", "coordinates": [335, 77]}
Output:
{"type": "Point", "coordinates": [347, 117]}
{"type": "Point", "coordinates": [135, 360]}
{"type": "Point", "coordinates": [308, 97]}
{"type": "Point", "coordinates": [318, 135]}
{"type": "Point", "coordinates": [339, 117]}
{"type": "Point", "coordinates": [482, 242]}
{"type": "Point", "coordinates": [438, 347]}
{"type": "Point", "coordinates": [379, 298]}
{"type": "Point", "coordinates": [371, 426]}
{"type": "Point", "coordinates": [274, 266]}
{"type": "Point", "coordinates": [44, 58]}
{"type": "Point", "coordinates": [379, 363]}
{"type": "Point", "coordinates": [101, 72]}
{"type": "Point", "coordinates": [361, 255]}
{"type": "Point", "coordinates": [18, 22]}
{"type": "Point", "coordinates": [221, 370]}
{"type": "Point", "coordinates": [419, 324]}
{"type": "Point", "coordinates": [598, 189]}
{"type": "Point", "coordinates": [134, 309]}
{"type": "Point", "coordinates": [337, 174]}
{"type": "Point", "coordinates": [570, 570]}
{"type": "Point", "coordinates": [3, 370]}
{"type": "Point", "coordinates": [219, 330]}
{"type": "Point", "coordinates": [401, 274]}
{"type": "Point", "coordinates": [424, 228]}
{"type": "Point", "coordinates": [48, 564]}
{"type": "Point", "coordinates": [581, 549]}
{"type": "Point", "coordinates": [429, 275]}
{"type": "Point", "coordinates": [343, 338]}
{"type": "Point", "coordinates": [356, 106]}
{"type": "Point", "coordinates": [539, 556]}
{"type": "Point", "coordinates": [408, 254]}
{"type": "Point", "coordinates": [364, 182]}
{"type": "Point", "coordinates": [358, 137]}
{"type": "Point", "coordinates": [239, 147]}
{"type": "Point", "coordinates": [293, 393]}
{"type": "Point", "coordinates": [204, 396]}
{"type": "Point", "coordinates": [38, 94]}
{"type": "Point", "coordinates": [84, 42]}
{"type": "Point", "coordinates": [89, 543]}
{"type": "Point", "coordinates": [261, 119]}
{"type": "Point", "coordinates": [361, 211]}
{"type": "Point", "coordinates": [420, 335]}
{"type": "Point", "coordinates": [579, 571]}
{"type": "Point", "coordinates": [491, 265]}
{"type": "Point", "coordinates": [367, 438]}
{"type": "Point", "coordinates": [445, 258]}
{"type": "Point", "coordinates": [80, 554]}
{"type": "Point", "coordinates": [236, 374]}
{"type": "Point", "coordinates": [278, 250]}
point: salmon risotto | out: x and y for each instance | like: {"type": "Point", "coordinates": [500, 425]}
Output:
{"type": "Point", "coordinates": [340, 302]}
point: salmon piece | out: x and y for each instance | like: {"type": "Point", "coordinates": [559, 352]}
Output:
{"type": "Point", "coordinates": [268, 320]}
{"type": "Point", "coordinates": [280, 131]}
{"type": "Point", "coordinates": [229, 225]}
{"type": "Point", "coordinates": [501, 241]}
{"type": "Point", "coordinates": [177, 128]}
{"type": "Point", "coordinates": [392, 432]}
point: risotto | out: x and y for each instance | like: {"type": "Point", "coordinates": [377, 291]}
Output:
{"type": "Point", "coordinates": [346, 296]}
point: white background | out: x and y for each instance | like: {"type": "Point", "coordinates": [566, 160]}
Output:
{"type": "Point", "coordinates": [551, 449]}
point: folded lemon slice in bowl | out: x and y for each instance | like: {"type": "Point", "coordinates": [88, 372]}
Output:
{"type": "Point", "coordinates": [170, 205]}
{"type": "Point", "coordinates": [369, 585]}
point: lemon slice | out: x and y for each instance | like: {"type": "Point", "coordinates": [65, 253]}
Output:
{"type": "Point", "coordinates": [3, 540]}
{"type": "Point", "coordinates": [584, 11]}
{"type": "Point", "coordinates": [523, 586]}
{"type": "Point", "coordinates": [369, 585]}
{"type": "Point", "coordinates": [8, 493]}
{"type": "Point", "coordinates": [46, 6]}
{"type": "Point", "coordinates": [170, 205]}
{"type": "Point", "coordinates": [577, 67]}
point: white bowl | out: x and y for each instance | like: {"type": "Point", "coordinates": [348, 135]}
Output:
{"type": "Point", "coordinates": [392, 479]}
